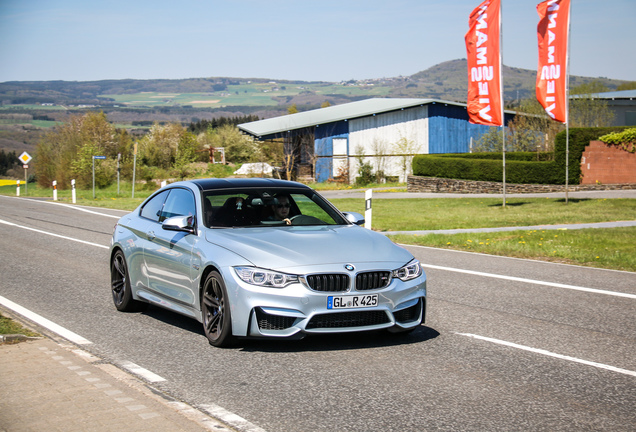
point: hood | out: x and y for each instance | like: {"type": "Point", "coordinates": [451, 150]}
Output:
{"type": "Point", "coordinates": [285, 248]}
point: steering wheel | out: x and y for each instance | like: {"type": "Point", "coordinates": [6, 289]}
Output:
{"type": "Point", "coordinates": [303, 220]}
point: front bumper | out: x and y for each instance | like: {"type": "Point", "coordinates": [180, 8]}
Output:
{"type": "Point", "coordinates": [297, 310]}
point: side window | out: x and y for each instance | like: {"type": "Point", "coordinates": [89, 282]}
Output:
{"type": "Point", "coordinates": [152, 209]}
{"type": "Point", "coordinates": [180, 202]}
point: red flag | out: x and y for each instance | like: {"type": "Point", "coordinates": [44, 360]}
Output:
{"type": "Point", "coordinates": [485, 103]}
{"type": "Point", "coordinates": [552, 32]}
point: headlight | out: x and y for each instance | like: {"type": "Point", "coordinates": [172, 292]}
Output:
{"type": "Point", "coordinates": [409, 271]}
{"type": "Point", "coordinates": [265, 278]}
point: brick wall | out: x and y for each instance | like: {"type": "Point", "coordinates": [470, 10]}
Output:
{"type": "Point", "coordinates": [607, 164]}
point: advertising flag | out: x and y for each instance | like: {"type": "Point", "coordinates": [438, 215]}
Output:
{"type": "Point", "coordinates": [552, 32]}
{"type": "Point", "coordinates": [485, 96]}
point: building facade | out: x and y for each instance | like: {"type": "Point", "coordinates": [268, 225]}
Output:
{"type": "Point", "coordinates": [333, 142]}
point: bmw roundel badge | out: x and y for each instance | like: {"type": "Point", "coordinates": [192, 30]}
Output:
{"type": "Point", "coordinates": [349, 267]}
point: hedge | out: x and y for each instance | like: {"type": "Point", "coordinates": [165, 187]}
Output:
{"type": "Point", "coordinates": [521, 167]}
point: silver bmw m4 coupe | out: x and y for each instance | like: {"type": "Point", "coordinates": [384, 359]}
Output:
{"type": "Point", "coordinates": [262, 258]}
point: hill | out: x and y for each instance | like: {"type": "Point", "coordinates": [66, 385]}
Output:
{"type": "Point", "coordinates": [27, 108]}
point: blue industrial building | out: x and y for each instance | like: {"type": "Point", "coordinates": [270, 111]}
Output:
{"type": "Point", "coordinates": [385, 132]}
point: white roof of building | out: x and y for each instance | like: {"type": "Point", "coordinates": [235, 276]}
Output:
{"type": "Point", "coordinates": [624, 94]}
{"type": "Point", "coordinates": [332, 114]}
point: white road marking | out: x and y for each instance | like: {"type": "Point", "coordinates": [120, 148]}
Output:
{"type": "Point", "coordinates": [551, 354]}
{"type": "Point", "coordinates": [71, 206]}
{"type": "Point", "coordinates": [74, 207]}
{"type": "Point", "coordinates": [533, 281]}
{"type": "Point", "coordinates": [52, 234]}
{"type": "Point", "coordinates": [40, 320]}
{"type": "Point", "coordinates": [144, 373]}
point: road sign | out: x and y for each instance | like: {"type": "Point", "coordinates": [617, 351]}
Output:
{"type": "Point", "coordinates": [99, 157]}
{"type": "Point", "coordinates": [25, 158]}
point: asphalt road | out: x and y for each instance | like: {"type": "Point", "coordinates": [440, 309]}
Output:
{"type": "Point", "coordinates": [508, 344]}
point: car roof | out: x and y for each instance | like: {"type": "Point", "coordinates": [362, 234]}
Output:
{"type": "Point", "coordinates": [231, 183]}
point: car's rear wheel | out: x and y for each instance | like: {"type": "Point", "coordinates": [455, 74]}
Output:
{"type": "Point", "coordinates": [215, 309]}
{"type": "Point", "coordinates": [120, 285]}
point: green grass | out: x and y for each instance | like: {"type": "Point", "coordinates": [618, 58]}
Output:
{"type": "Point", "coordinates": [8, 326]}
{"type": "Point", "coordinates": [604, 248]}
{"type": "Point", "coordinates": [611, 248]}
{"type": "Point", "coordinates": [246, 94]}
{"type": "Point", "coordinates": [450, 213]}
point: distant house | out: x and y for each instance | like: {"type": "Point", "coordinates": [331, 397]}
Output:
{"type": "Point", "coordinates": [622, 104]}
{"type": "Point", "coordinates": [331, 142]}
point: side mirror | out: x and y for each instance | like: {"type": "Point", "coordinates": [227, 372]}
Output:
{"type": "Point", "coordinates": [179, 223]}
{"type": "Point", "coordinates": [354, 218]}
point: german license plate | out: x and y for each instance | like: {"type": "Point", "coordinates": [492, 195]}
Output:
{"type": "Point", "coordinates": [354, 301]}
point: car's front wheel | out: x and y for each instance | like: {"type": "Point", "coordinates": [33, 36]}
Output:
{"type": "Point", "coordinates": [120, 285]}
{"type": "Point", "coordinates": [215, 309]}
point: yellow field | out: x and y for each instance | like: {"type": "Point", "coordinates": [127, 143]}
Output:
{"type": "Point", "coordinates": [9, 182]}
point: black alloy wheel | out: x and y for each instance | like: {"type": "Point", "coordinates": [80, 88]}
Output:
{"type": "Point", "coordinates": [120, 285]}
{"type": "Point", "coordinates": [215, 309]}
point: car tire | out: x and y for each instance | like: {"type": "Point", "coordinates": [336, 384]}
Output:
{"type": "Point", "coordinates": [215, 311]}
{"type": "Point", "coordinates": [120, 285]}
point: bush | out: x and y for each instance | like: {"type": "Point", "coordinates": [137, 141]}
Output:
{"type": "Point", "coordinates": [521, 167]}
{"type": "Point", "coordinates": [625, 140]}
{"type": "Point", "coordinates": [365, 174]}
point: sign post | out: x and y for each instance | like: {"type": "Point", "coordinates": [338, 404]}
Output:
{"type": "Point", "coordinates": [118, 171]}
{"type": "Point", "coordinates": [95, 157]}
{"type": "Point", "coordinates": [134, 168]}
{"type": "Point", "coordinates": [54, 190]}
{"type": "Point", "coordinates": [25, 158]}
{"type": "Point", "coordinates": [73, 193]}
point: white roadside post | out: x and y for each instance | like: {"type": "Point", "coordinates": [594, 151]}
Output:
{"type": "Point", "coordinates": [54, 190]}
{"type": "Point", "coordinates": [17, 191]}
{"type": "Point", "coordinates": [367, 212]}
{"type": "Point", "coordinates": [73, 193]}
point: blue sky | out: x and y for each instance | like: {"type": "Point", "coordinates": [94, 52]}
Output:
{"type": "Point", "coordinates": [326, 40]}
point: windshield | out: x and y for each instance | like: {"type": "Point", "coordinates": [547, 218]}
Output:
{"type": "Point", "coordinates": [230, 208]}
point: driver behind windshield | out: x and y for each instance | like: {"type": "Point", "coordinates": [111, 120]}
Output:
{"type": "Point", "coordinates": [281, 207]}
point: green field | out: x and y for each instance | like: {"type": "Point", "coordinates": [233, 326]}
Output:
{"type": "Point", "coordinates": [245, 94]}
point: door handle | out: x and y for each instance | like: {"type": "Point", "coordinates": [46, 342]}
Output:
{"type": "Point", "coordinates": [151, 235]}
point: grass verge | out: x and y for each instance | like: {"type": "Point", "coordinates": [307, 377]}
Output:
{"type": "Point", "coordinates": [413, 214]}
{"type": "Point", "coordinates": [611, 248]}
{"type": "Point", "coordinates": [9, 326]}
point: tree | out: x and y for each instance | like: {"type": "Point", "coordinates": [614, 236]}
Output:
{"type": "Point", "coordinates": [239, 148]}
{"type": "Point", "coordinates": [631, 85]}
{"type": "Point", "coordinates": [405, 148]}
{"type": "Point", "coordinates": [8, 161]}
{"type": "Point", "coordinates": [158, 148]}
{"type": "Point", "coordinates": [67, 152]}
{"type": "Point", "coordinates": [586, 109]}
{"type": "Point", "coordinates": [292, 109]}
{"type": "Point", "coordinates": [537, 121]}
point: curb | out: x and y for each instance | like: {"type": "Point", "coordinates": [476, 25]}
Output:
{"type": "Point", "coordinates": [15, 338]}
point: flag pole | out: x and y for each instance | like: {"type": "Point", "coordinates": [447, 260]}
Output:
{"type": "Point", "coordinates": [501, 95]}
{"type": "Point", "coordinates": [567, 109]}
